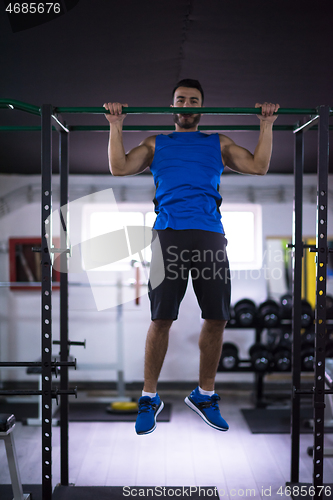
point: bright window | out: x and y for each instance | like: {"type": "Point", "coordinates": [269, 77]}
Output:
{"type": "Point", "coordinates": [99, 219]}
{"type": "Point", "coordinates": [243, 229]}
{"type": "Point", "coordinates": [242, 224]}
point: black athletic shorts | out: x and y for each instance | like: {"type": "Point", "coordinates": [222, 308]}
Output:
{"type": "Point", "coordinates": [175, 254]}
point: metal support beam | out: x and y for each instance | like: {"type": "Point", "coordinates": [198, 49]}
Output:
{"type": "Point", "coordinates": [21, 364]}
{"type": "Point", "coordinates": [320, 321]}
{"type": "Point", "coordinates": [22, 106]}
{"type": "Point", "coordinates": [154, 128]}
{"type": "Point", "coordinates": [59, 123]}
{"type": "Point", "coordinates": [46, 325]}
{"type": "Point", "coordinates": [64, 346]}
{"type": "Point", "coordinates": [297, 253]}
{"type": "Point", "coordinates": [308, 125]}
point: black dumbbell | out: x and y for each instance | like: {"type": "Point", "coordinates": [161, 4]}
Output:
{"type": "Point", "coordinates": [307, 359]}
{"type": "Point", "coordinates": [282, 360]}
{"type": "Point", "coordinates": [307, 314]}
{"type": "Point", "coordinates": [232, 321]}
{"type": "Point", "coordinates": [308, 338]}
{"type": "Point", "coordinates": [229, 357]}
{"type": "Point", "coordinates": [274, 336]}
{"type": "Point", "coordinates": [307, 351]}
{"type": "Point", "coordinates": [282, 354]}
{"type": "Point", "coordinates": [286, 306]}
{"type": "Point", "coordinates": [269, 314]}
{"type": "Point", "coordinates": [261, 357]}
{"type": "Point", "coordinates": [286, 336]}
{"type": "Point", "coordinates": [245, 312]}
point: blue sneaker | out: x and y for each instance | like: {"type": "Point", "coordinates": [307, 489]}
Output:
{"type": "Point", "coordinates": [207, 408]}
{"type": "Point", "coordinates": [149, 408]}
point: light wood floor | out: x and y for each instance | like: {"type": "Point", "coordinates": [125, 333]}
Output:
{"type": "Point", "coordinates": [182, 452]}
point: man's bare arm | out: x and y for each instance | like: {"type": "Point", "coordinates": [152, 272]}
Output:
{"type": "Point", "coordinates": [240, 159]}
{"type": "Point", "coordinates": [138, 159]}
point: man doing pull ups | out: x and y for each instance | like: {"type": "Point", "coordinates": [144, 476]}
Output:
{"type": "Point", "coordinates": [187, 165]}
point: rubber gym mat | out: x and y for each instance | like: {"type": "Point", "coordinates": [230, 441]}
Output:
{"type": "Point", "coordinates": [277, 421]}
{"type": "Point", "coordinates": [6, 491]}
{"type": "Point", "coordinates": [119, 493]}
{"type": "Point", "coordinates": [96, 412]}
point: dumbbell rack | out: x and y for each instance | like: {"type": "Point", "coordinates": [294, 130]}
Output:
{"type": "Point", "coordinates": [259, 377]}
{"type": "Point", "coordinates": [245, 365]}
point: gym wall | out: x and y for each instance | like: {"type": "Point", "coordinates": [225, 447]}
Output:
{"type": "Point", "coordinates": [20, 310]}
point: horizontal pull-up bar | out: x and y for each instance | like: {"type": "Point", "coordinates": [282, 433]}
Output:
{"type": "Point", "coordinates": [30, 108]}
{"type": "Point", "coordinates": [175, 110]}
{"type": "Point", "coordinates": [141, 128]}
{"type": "Point", "coordinates": [152, 128]}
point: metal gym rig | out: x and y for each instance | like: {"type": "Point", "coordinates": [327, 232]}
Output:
{"type": "Point", "coordinates": [51, 119]}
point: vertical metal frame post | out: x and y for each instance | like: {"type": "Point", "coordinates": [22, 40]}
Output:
{"type": "Point", "coordinates": [64, 347]}
{"type": "Point", "coordinates": [320, 321]}
{"type": "Point", "coordinates": [46, 313]}
{"type": "Point", "coordinates": [297, 254]}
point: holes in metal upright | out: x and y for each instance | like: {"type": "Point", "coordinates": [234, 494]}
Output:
{"type": "Point", "coordinates": [319, 394]}
{"type": "Point", "coordinates": [46, 313]}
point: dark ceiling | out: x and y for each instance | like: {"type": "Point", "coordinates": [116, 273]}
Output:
{"type": "Point", "coordinates": [129, 51]}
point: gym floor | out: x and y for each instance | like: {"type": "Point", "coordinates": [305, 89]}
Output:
{"type": "Point", "coordinates": [182, 452]}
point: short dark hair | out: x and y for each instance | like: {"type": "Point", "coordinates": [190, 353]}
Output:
{"type": "Point", "coordinates": [187, 82]}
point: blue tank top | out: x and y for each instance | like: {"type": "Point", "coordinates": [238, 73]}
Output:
{"type": "Point", "coordinates": [187, 167]}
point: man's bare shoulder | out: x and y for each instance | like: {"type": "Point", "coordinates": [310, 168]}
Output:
{"type": "Point", "coordinates": [149, 142]}
{"type": "Point", "coordinates": [225, 141]}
